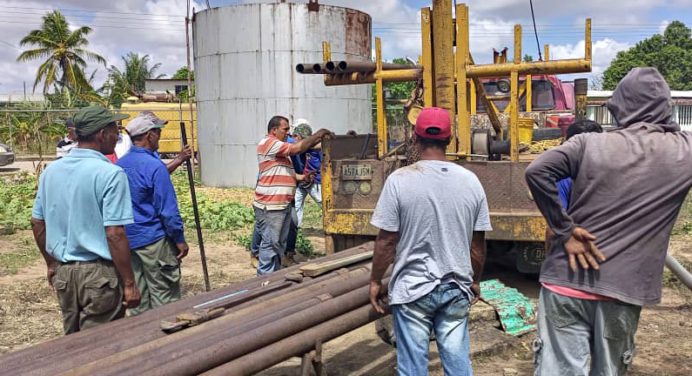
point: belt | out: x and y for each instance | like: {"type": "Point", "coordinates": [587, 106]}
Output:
{"type": "Point", "coordinates": [89, 262]}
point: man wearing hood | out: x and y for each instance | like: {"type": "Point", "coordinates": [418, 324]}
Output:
{"type": "Point", "coordinates": [610, 245]}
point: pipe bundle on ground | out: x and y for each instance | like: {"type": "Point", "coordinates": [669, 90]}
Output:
{"type": "Point", "coordinates": [267, 320]}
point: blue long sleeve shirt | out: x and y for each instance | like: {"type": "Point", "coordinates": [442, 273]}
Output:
{"type": "Point", "coordinates": [154, 202]}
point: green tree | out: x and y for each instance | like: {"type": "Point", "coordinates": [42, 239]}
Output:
{"type": "Point", "coordinates": [64, 52]}
{"type": "Point", "coordinates": [670, 53]}
{"type": "Point", "coordinates": [130, 80]}
{"type": "Point", "coordinates": [528, 58]}
{"type": "Point", "coordinates": [181, 74]}
{"type": "Point", "coordinates": [396, 90]}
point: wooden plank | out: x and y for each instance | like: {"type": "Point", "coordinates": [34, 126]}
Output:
{"type": "Point", "coordinates": [319, 268]}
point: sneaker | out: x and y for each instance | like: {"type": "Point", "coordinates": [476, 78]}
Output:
{"type": "Point", "coordinates": [254, 261]}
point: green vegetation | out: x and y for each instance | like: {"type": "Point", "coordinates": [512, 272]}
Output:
{"type": "Point", "coordinates": [16, 260]}
{"type": "Point", "coordinates": [16, 201]}
{"type": "Point", "coordinates": [130, 81]}
{"type": "Point", "coordinates": [671, 53]}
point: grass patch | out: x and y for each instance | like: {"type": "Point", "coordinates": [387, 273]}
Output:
{"type": "Point", "coordinates": [17, 194]}
{"type": "Point", "coordinates": [12, 262]}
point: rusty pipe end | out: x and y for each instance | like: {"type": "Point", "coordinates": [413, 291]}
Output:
{"type": "Point", "coordinates": [300, 68]}
{"type": "Point", "coordinates": [317, 68]}
{"type": "Point", "coordinates": [342, 66]}
{"type": "Point", "coordinates": [331, 66]}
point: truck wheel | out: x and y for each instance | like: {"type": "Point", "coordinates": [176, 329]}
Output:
{"type": "Point", "coordinates": [530, 256]}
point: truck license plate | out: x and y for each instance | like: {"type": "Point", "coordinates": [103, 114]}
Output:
{"type": "Point", "coordinates": [356, 172]}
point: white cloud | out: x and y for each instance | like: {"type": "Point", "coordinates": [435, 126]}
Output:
{"type": "Point", "coordinates": [603, 53]}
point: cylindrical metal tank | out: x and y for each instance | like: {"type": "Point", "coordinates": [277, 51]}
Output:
{"type": "Point", "coordinates": [245, 58]}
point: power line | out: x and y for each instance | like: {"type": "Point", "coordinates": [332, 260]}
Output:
{"type": "Point", "coordinates": [106, 18]}
{"type": "Point", "coordinates": [65, 10]}
{"type": "Point", "coordinates": [110, 26]}
{"type": "Point", "coordinates": [538, 44]}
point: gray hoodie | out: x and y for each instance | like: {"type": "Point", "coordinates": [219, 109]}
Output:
{"type": "Point", "coordinates": [628, 186]}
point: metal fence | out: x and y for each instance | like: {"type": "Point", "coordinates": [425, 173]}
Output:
{"type": "Point", "coordinates": [682, 114]}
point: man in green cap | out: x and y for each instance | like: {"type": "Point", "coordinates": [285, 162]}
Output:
{"type": "Point", "coordinates": [79, 226]}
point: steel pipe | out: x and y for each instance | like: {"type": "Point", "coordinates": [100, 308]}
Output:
{"type": "Point", "coordinates": [297, 344]}
{"type": "Point", "coordinates": [222, 352]}
{"type": "Point", "coordinates": [683, 274]}
{"type": "Point", "coordinates": [534, 67]}
{"type": "Point", "coordinates": [192, 341]}
{"type": "Point", "coordinates": [69, 351]}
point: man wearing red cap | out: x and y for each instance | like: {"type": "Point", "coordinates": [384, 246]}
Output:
{"type": "Point", "coordinates": [432, 217]}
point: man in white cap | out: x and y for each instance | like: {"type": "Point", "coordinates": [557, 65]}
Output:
{"type": "Point", "coordinates": [185, 153]}
{"type": "Point", "coordinates": [157, 239]}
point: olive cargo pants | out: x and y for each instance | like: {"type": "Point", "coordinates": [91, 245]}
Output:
{"type": "Point", "coordinates": [157, 274]}
{"type": "Point", "coordinates": [89, 294]}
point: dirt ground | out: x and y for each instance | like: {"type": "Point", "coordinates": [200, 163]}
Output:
{"type": "Point", "coordinates": [29, 313]}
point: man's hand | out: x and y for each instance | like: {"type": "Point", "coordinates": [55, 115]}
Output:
{"type": "Point", "coordinates": [581, 247]}
{"type": "Point", "coordinates": [375, 290]}
{"type": "Point", "coordinates": [50, 273]}
{"type": "Point", "coordinates": [185, 153]}
{"type": "Point", "coordinates": [476, 289]}
{"type": "Point", "coordinates": [131, 296]}
{"type": "Point", "coordinates": [183, 249]}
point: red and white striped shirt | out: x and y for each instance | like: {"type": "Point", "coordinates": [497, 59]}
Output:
{"type": "Point", "coordinates": [276, 183]}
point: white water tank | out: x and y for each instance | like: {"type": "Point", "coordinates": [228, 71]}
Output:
{"type": "Point", "coordinates": [245, 58]}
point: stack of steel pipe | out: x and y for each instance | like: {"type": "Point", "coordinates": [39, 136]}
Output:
{"type": "Point", "coordinates": [345, 66]}
{"type": "Point", "coordinates": [276, 314]}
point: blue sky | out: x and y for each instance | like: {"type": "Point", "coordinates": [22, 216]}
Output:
{"type": "Point", "coordinates": [155, 27]}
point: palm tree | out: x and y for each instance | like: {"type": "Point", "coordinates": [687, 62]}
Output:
{"type": "Point", "coordinates": [64, 52]}
{"type": "Point", "coordinates": [130, 80]}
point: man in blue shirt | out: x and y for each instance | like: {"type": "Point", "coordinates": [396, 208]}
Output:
{"type": "Point", "coordinates": [82, 204]}
{"type": "Point", "coordinates": [156, 238]}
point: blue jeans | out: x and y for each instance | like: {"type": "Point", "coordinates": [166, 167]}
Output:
{"type": "Point", "coordinates": [315, 191]}
{"type": "Point", "coordinates": [446, 310]}
{"type": "Point", "coordinates": [273, 229]}
{"type": "Point", "coordinates": [584, 337]}
{"type": "Point", "coordinates": [256, 240]}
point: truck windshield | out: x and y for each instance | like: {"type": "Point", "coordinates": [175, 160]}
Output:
{"type": "Point", "coordinates": [542, 98]}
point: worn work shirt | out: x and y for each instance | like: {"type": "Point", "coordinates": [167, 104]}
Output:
{"type": "Point", "coordinates": [276, 184]}
{"type": "Point", "coordinates": [435, 206]}
{"type": "Point", "coordinates": [77, 196]}
{"type": "Point", "coordinates": [154, 201]}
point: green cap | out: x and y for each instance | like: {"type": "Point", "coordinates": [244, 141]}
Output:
{"type": "Point", "coordinates": [92, 119]}
{"type": "Point", "coordinates": [303, 130]}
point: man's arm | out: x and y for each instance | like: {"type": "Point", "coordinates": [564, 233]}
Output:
{"type": "Point", "coordinates": [477, 262]}
{"type": "Point", "coordinates": [120, 253]}
{"type": "Point", "coordinates": [184, 155]}
{"type": "Point", "coordinates": [38, 227]}
{"type": "Point", "coordinates": [166, 206]}
{"type": "Point", "coordinates": [541, 177]}
{"type": "Point", "coordinates": [303, 145]}
{"type": "Point", "coordinates": [385, 249]}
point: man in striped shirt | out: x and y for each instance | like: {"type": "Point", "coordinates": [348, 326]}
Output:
{"type": "Point", "coordinates": [276, 188]}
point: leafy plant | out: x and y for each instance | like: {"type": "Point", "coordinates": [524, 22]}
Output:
{"type": "Point", "coordinates": [64, 51]}
{"type": "Point", "coordinates": [17, 200]}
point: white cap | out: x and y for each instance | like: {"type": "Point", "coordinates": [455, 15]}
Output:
{"type": "Point", "coordinates": [141, 125]}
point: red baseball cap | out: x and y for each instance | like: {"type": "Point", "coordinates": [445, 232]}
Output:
{"type": "Point", "coordinates": [434, 123]}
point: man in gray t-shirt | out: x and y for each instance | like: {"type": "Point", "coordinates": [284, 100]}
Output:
{"type": "Point", "coordinates": [432, 217]}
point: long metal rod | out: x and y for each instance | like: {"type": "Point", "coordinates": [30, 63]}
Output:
{"type": "Point", "coordinates": [297, 344]}
{"type": "Point", "coordinates": [195, 209]}
{"type": "Point", "coordinates": [230, 348]}
{"type": "Point", "coordinates": [679, 270]}
{"type": "Point", "coordinates": [194, 347]}
{"type": "Point", "coordinates": [65, 353]}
